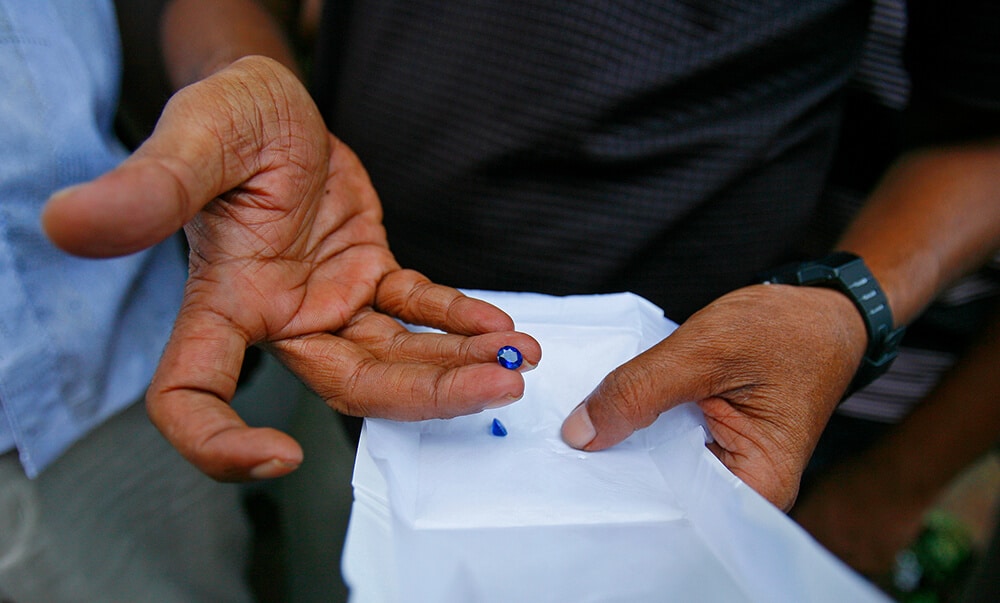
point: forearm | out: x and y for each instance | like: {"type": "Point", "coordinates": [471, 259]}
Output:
{"type": "Point", "coordinates": [935, 216]}
{"type": "Point", "coordinates": [200, 37]}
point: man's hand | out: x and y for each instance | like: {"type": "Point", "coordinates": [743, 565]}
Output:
{"type": "Point", "coordinates": [288, 251]}
{"type": "Point", "coordinates": [767, 364]}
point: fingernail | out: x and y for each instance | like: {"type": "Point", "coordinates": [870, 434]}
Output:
{"type": "Point", "coordinates": [272, 468]}
{"type": "Point", "coordinates": [577, 429]}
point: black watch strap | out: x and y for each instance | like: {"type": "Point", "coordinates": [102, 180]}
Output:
{"type": "Point", "coordinates": [848, 274]}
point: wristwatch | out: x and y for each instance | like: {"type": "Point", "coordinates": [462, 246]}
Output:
{"type": "Point", "coordinates": [848, 274]}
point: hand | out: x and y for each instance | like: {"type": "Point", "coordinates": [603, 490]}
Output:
{"type": "Point", "coordinates": [767, 364]}
{"type": "Point", "coordinates": [288, 251]}
{"type": "Point", "coordinates": [861, 512]}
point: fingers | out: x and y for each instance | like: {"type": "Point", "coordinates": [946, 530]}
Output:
{"type": "Point", "coordinates": [388, 341]}
{"type": "Point", "coordinates": [356, 382]}
{"type": "Point", "coordinates": [209, 139]}
{"type": "Point", "coordinates": [376, 367]}
{"type": "Point", "coordinates": [753, 451]}
{"type": "Point", "coordinates": [413, 298]}
{"type": "Point", "coordinates": [188, 402]}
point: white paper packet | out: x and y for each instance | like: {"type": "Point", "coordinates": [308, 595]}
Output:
{"type": "Point", "coordinates": [446, 511]}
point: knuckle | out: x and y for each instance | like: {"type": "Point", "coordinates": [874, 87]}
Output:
{"type": "Point", "coordinates": [626, 388]}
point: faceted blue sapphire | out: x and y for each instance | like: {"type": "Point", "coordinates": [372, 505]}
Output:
{"type": "Point", "coordinates": [498, 429]}
{"type": "Point", "coordinates": [509, 357]}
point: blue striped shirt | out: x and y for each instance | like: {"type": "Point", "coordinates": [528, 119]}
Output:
{"type": "Point", "coordinates": [79, 339]}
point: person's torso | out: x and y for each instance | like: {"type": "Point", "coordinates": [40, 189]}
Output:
{"type": "Point", "coordinates": [671, 149]}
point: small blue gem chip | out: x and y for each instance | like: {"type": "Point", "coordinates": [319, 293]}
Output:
{"type": "Point", "coordinates": [509, 357]}
{"type": "Point", "coordinates": [498, 429]}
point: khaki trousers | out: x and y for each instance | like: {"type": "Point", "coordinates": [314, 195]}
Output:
{"type": "Point", "coordinates": [121, 517]}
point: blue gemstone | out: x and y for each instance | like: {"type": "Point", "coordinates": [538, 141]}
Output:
{"type": "Point", "coordinates": [509, 357]}
{"type": "Point", "coordinates": [498, 429]}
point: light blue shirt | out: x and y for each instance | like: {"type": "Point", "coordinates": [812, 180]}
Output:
{"type": "Point", "coordinates": [79, 339]}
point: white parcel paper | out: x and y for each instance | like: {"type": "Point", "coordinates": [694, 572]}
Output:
{"type": "Point", "coordinates": [445, 511]}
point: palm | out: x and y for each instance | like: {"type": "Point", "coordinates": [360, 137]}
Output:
{"type": "Point", "coordinates": [277, 269]}
{"type": "Point", "coordinates": [287, 251]}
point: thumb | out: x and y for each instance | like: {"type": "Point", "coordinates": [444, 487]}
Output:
{"type": "Point", "coordinates": [207, 141]}
{"type": "Point", "coordinates": [135, 206]}
{"type": "Point", "coordinates": [629, 398]}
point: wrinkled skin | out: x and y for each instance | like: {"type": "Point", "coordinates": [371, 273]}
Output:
{"type": "Point", "coordinates": [766, 364]}
{"type": "Point", "coordinates": [287, 251]}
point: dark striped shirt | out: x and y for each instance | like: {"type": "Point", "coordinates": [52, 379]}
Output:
{"type": "Point", "coordinates": [672, 149]}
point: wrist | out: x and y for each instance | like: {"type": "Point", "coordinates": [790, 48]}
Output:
{"type": "Point", "coordinates": [848, 274]}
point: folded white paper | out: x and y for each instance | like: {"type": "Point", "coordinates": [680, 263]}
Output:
{"type": "Point", "coordinates": [446, 511]}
